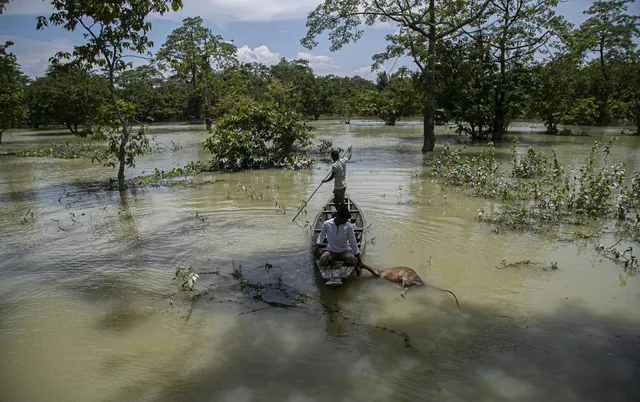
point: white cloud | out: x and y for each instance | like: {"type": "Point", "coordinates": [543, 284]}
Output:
{"type": "Point", "coordinates": [216, 11]}
{"type": "Point", "coordinates": [365, 72]}
{"type": "Point", "coordinates": [321, 65]}
{"type": "Point", "coordinates": [33, 55]}
{"type": "Point", "coordinates": [223, 11]}
{"type": "Point", "coordinates": [260, 54]}
{"type": "Point", "coordinates": [382, 25]}
{"type": "Point", "coordinates": [29, 7]}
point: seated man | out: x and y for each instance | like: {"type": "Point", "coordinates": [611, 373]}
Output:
{"type": "Point", "coordinates": [337, 231]}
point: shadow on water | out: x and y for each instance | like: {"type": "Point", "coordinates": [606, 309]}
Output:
{"type": "Point", "coordinates": [477, 354]}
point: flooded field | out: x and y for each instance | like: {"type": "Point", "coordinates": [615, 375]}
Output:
{"type": "Point", "coordinates": [88, 309]}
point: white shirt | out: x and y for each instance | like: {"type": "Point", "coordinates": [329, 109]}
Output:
{"type": "Point", "coordinates": [339, 170]}
{"type": "Point", "coordinates": [338, 236]}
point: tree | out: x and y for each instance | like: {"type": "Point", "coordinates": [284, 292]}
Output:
{"type": "Point", "coordinates": [190, 51]}
{"type": "Point", "coordinates": [515, 30]}
{"type": "Point", "coordinates": [111, 30]}
{"type": "Point", "coordinates": [67, 95]}
{"type": "Point", "coordinates": [396, 99]}
{"type": "Point", "coordinates": [419, 22]}
{"type": "Point", "coordinates": [237, 86]}
{"type": "Point", "coordinates": [12, 84]}
{"type": "Point", "coordinates": [553, 91]}
{"type": "Point", "coordinates": [140, 86]}
{"type": "Point", "coordinates": [627, 90]}
{"type": "Point", "coordinates": [299, 76]}
{"type": "Point", "coordinates": [609, 33]}
{"type": "Point", "coordinates": [466, 75]}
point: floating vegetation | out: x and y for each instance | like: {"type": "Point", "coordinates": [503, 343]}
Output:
{"type": "Point", "coordinates": [624, 258]}
{"type": "Point", "coordinates": [63, 151]}
{"type": "Point", "coordinates": [186, 277]}
{"type": "Point", "coordinates": [251, 192]}
{"type": "Point", "coordinates": [192, 173]}
{"type": "Point", "coordinates": [528, 263]}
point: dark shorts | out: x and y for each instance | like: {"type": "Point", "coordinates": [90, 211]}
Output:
{"type": "Point", "coordinates": [338, 194]}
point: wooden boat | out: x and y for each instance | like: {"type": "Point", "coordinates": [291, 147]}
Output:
{"type": "Point", "coordinates": [335, 274]}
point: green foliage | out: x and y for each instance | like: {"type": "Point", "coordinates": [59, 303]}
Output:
{"type": "Point", "coordinates": [186, 278]}
{"type": "Point", "coordinates": [190, 174]}
{"type": "Point", "coordinates": [552, 198]}
{"type": "Point", "coordinates": [515, 31]}
{"type": "Point", "coordinates": [193, 52]}
{"type": "Point", "coordinates": [610, 33]}
{"type": "Point", "coordinates": [397, 99]}
{"type": "Point", "coordinates": [582, 111]}
{"type": "Point", "coordinates": [533, 164]}
{"type": "Point", "coordinates": [12, 85]}
{"type": "Point", "coordinates": [298, 79]}
{"type": "Point", "coordinates": [418, 23]}
{"type": "Point", "coordinates": [63, 151]}
{"type": "Point", "coordinates": [592, 194]}
{"type": "Point", "coordinates": [153, 96]}
{"type": "Point", "coordinates": [68, 95]}
{"type": "Point", "coordinates": [467, 84]}
{"type": "Point", "coordinates": [111, 31]}
{"type": "Point", "coordinates": [260, 136]}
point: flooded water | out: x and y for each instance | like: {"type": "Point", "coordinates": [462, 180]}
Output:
{"type": "Point", "coordinates": [88, 310]}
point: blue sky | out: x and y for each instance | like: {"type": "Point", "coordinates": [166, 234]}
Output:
{"type": "Point", "coordinates": [263, 30]}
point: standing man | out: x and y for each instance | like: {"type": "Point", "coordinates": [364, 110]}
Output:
{"type": "Point", "coordinates": [339, 173]}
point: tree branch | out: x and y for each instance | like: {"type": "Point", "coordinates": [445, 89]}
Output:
{"type": "Point", "coordinates": [465, 22]}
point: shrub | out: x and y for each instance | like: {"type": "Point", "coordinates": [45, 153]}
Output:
{"type": "Point", "coordinates": [260, 136]}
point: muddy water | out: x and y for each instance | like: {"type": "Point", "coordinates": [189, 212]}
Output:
{"type": "Point", "coordinates": [87, 310]}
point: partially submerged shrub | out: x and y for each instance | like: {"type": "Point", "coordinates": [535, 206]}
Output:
{"type": "Point", "coordinates": [191, 170]}
{"type": "Point", "coordinates": [533, 164]}
{"type": "Point", "coordinates": [260, 136]}
{"type": "Point", "coordinates": [553, 197]}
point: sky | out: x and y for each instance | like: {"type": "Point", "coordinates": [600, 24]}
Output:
{"type": "Point", "coordinates": [263, 30]}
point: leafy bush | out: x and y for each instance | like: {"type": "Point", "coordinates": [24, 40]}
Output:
{"type": "Point", "coordinates": [260, 136]}
{"type": "Point", "coordinates": [534, 163]}
{"type": "Point", "coordinates": [553, 197]}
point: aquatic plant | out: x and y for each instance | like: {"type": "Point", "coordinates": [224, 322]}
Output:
{"type": "Point", "coordinates": [186, 278]}
{"type": "Point", "coordinates": [63, 151]}
{"type": "Point", "coordinates": [533, 164]}
{"type": "Point", "coordinates": [189, 173]}
{"type": "Point", "coordinates": [539, 194]}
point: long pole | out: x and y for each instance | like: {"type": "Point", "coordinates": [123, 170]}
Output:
{"type": "Point", "coordinates": [312, 194]}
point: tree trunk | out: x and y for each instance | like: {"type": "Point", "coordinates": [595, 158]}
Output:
{"type": "Point", "coordinates": [124, 138]}
{"type": "Point", "coordinates": [430, 101]}
{"type": "Point", "coordinates": [1, 132]}
{"type": "Point", "coordinates": [71, 128]}
{"type": "Point", "coordinates": [499, 119]}
{"type": "Point", "coordinates": [604, 96]}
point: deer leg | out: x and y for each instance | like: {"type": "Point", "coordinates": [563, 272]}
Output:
{"type": "Point", "coordinates": [404, 291]}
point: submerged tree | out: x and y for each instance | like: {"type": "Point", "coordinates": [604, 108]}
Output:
{"type": "Point", "coordinates": [190, 51]}
{"type": "Point", "coordinates": [609, 32]}
{"type": "Point", "coordinates": [12, 84]}
{"type": "Point", "coordinates": [515, 30]}
{"type": "Point", "coordinates": [396, 98]}
{"type": "Point", "coordinates": [423, 23]}
{"type": "Point", "coordinates": [67, 95]}
{"type": "Point", "coordinates": [112, 31]}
